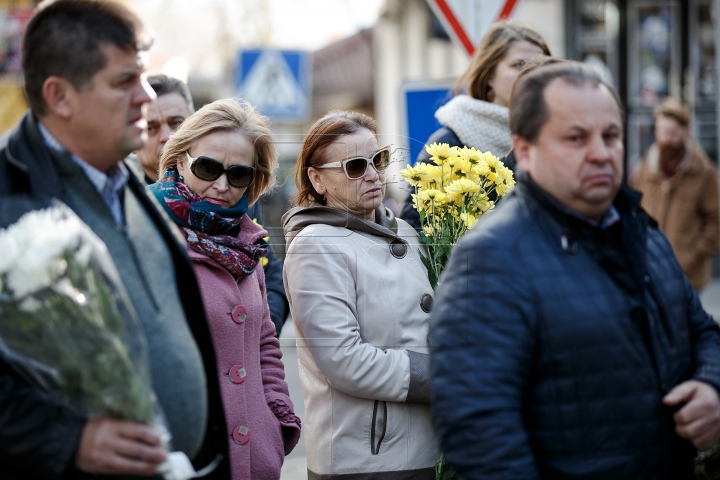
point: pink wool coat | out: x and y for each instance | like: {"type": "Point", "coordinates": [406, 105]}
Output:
{"type": "Point", "coordinates": [262, 426]}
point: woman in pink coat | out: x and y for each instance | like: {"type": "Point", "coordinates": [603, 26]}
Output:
{"type": "Point", "coordinates": [219, 161]}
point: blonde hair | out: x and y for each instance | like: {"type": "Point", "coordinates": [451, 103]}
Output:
{"type": "Point", "coordinates": [227, 115]}
{"type": "Point", "coordinates": [492, 49]}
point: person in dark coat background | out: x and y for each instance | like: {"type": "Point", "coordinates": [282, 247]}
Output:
{"type": "Point", "coordinates": [478, 115]}
{"type": "Point", "coordinates": [164, 115]}
{"type": "Point", "coordinates": [85, 85]}
{"type": "Point", "coordinates": [580, 351]}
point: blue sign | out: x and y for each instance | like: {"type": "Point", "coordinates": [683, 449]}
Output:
{"type": "Point", "coordinates": [277, 82]}
{"type": "Point", "coordinates": [418, 102]}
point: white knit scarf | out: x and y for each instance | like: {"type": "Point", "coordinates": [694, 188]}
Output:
{"type": "Point", "coordinates": [477, 123]}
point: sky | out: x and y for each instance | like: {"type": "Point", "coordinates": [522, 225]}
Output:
{"type": "Point", "coordinates": [312, 24]}
{"type": "Point", "coordinates": [203, 36]}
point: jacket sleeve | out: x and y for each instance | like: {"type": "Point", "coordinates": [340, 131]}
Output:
{"type": "Point", "coordinates": [273, 377]}
{"type": "Point", "coordinates": [321, 289]}
{"type": "Point", "coordinates": [709, 242]}
{"type": "Point", "coordinates": [38, 436]}
{"type": "Point", "coordinates": [482, 340]}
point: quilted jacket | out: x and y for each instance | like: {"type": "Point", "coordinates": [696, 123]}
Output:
{"type": "Point", "coordinates": [544, 365]}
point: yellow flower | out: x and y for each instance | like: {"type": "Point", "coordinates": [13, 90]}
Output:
{"type": "Point", "coordinates": [461, 168]}
{"type": "Point", "coordinates": [429, 230]}
{"type": "Point", "coordinates": [471, 155]}
{"type": "Point", "coordinates": [468, 219]}
{"type": "Point", "coordinates": [462, 186]}
{"type": "Point", "coordinates": [263, 261]}
{"type": "Point", "coordinates": [432, 196]}
{"type": "Point", "coordinates": [429, 173]}
{"type": "Point", "coordinates": [481, 169]}
{"type": "Point", "coordinates": [502, 189]}
{"type": "Point", "coordinates": [440, 152]}
{"type": "Point", "coordinates": [411, 174]}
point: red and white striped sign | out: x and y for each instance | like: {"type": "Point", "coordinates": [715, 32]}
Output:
{"type": "Point", "coordinates": [466, 21]}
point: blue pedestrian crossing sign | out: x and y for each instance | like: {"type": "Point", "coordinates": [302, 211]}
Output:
{"type": "Point", "coordinates": [277, 82]}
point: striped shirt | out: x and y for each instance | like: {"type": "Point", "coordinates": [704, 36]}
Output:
{"type": "Point", "coordinates": [109, 185]}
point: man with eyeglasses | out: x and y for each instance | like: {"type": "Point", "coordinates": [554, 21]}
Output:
{"type": "Point", "coordinates": [164, 115]}
{"type": "Point", "coordinates": [86, 88]}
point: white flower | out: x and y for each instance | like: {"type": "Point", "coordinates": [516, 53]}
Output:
{"type": "Point", "coordinates": [30, 305]}
{"type": "Point", "coordinates": [8, 252]}
{"type": "Point", "coordinates": [24, 281]}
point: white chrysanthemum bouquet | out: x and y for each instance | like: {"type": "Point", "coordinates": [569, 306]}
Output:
{"type": "Point", "coordinates": [60, 324]}
{"type": "Point", "coordinates": [452, 195]}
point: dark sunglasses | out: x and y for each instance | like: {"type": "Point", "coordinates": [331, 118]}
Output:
{"type": "Point", "coordinates": [209, 170]}
{"type": "Point", "coordinates": [356, 167]}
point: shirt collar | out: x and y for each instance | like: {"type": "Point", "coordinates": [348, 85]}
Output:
{"type": "Point", "coordinates": [115, 178]}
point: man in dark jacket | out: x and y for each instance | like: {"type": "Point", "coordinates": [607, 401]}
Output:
{"type": "Point", "coordinates": [566, 341]}
{"type": "Point", "coordinates": [164, 115]}
{"type": "Point", "coordinates": [85, 86]}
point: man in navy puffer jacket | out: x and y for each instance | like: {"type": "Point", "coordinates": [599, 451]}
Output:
{"type": "Point", "coordinates": [566, 341]}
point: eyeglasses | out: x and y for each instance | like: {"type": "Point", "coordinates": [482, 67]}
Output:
{"type": "Point", "coordinates": [357, 167]}
{"type": "Point", "coordinates": [209, 170]}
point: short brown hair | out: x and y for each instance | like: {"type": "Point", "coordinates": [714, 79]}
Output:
{"type": "Point", "coordinates": [227, 115]}
{"type": "Point", "coordinates": [492, 49]}
{"type": "Point", "coordinates": [675, 109]}
{"type": "Point", "coordinates": [528, 110]}
{"type": "Point", "coordinates": [65, 38]}
{"type": "Point", "coordinates": [321, 135]}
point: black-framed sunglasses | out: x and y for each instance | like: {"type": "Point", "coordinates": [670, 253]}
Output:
{"type": "Point", "coordinates": [209, 170]}
{"type": "Point", "coordinates": [356, 167]}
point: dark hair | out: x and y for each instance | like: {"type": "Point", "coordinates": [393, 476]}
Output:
{"type": "Point", "coordinates": [528, 110]}
{"type": "Point", "coordinates": [675, 109]}
{"type": "Point", "coordinates": [162, 84]}
{"type": "Point", "coordinates": [65, 38]}
{"type": "Point", "coordinates": [321, 135]}
{"type": "Point", "coordinates": [492, 49]}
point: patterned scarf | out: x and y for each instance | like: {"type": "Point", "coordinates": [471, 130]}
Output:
{"type": "Point", "coordinates": [208, 228]}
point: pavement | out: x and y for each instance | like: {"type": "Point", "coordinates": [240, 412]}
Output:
{"type": "Point", "coordinates": [295, 467]}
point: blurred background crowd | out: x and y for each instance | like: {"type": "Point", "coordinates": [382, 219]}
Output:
{"type": "Point", "coordinates": [366, 55]}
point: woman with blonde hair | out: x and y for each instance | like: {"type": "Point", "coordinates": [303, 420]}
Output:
{"type": "Point", "coordinates": [478, 115]}
{"type": "Point", "coordinates": [219, 161]}
{"type": "Point", "coordinates": [360, 301]}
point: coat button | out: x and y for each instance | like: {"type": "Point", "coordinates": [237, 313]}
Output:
{"type": "Point", "coordinates": [239, 314]}
{"type": "Point", "coordinates": [241, 435]}
{"type": "Point", "coordinates": [426, 302]}
{"type": "Point", "coordinates": [237, 374]}
{"type": "Point", "coordinates": [398, 249]}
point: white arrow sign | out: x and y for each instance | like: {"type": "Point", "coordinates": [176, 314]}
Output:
{"type": "Point", "coordinates": [466, 21]}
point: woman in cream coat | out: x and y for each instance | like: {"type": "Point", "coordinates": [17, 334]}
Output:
{"type": "Point", "coordinates": [360, 300]}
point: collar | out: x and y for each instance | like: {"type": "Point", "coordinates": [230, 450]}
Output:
{"type": "Point", "coordinates": [114, 180]}
{"type": "Point", "coordinates": [626, 202]}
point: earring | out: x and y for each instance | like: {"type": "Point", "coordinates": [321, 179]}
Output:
{"type": "Point", "coordinates": [490, 95]}
{"type": "Point", "coordinates": [181, 178]}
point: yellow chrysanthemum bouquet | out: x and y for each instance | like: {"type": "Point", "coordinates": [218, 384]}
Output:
{"type": "Point", "coordinates": [452, 195]}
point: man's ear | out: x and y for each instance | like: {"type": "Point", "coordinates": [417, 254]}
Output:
{"type": "Point", "coordinates": [59, 95]}
{"type": "Point", "coordinates": [317, 182]}
{"type": "Point", "coordinates": [521, 149]}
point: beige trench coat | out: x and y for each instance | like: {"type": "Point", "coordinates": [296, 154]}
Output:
{"type": "Point", "coordinates": [357, 310]}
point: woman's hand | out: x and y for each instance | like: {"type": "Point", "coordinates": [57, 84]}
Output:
{"type": "Point", "coordinates": [111, 446]}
